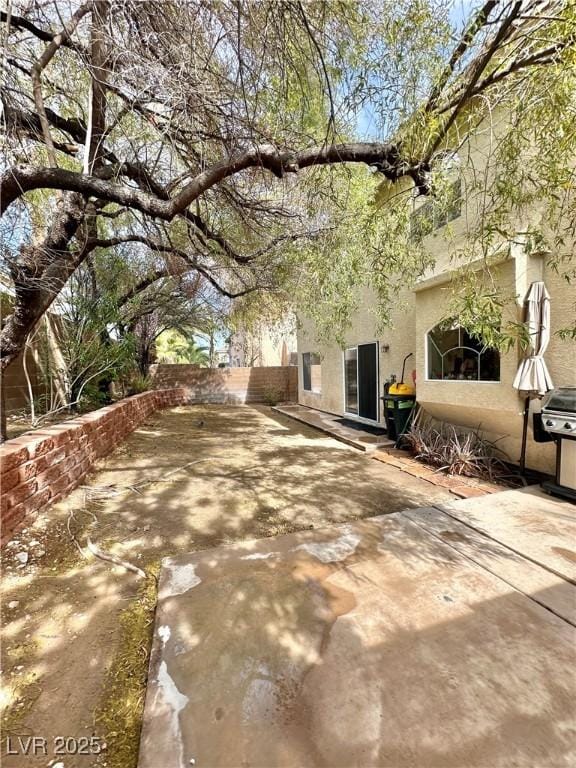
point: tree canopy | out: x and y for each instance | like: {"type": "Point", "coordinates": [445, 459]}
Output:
{"type": "Point", "coordinates": [230, 139]}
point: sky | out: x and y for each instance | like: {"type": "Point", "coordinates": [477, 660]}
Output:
{"type": "Point", "coordinates": [367, 124]}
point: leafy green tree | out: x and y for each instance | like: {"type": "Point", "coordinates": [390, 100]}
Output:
{"type": "Point", "coordinates": [173, 347]}
{"type": "Point", "coordinates": [89, 356]}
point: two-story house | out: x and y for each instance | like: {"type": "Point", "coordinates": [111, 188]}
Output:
{"type": "Point", "coordinates": [458, 379]}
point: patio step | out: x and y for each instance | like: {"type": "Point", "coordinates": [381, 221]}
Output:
{"type": "Point", "coordinates": [329, 424]}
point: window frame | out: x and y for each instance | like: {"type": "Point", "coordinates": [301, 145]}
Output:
{"type": "Point", "coordinates": [459, 346]}
{"type": "Point", "coordinates": [426, 218]}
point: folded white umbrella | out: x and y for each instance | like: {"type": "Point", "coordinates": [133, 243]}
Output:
{"type": "Point", "coordinates": [532, 374]}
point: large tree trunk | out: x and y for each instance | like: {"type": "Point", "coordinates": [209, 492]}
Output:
{"type": "Point", "coordinates": [39, 274]}
{"type": "Point", "coordinates": [144, 360]}
{"type": "Point", "coordinates": [42, 270]}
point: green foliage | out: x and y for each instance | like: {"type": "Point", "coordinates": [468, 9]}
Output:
{"type": "Point", "coordinates": [515, 174]}
{"type": "Point", "coordinates": [173, 347]}
{"type": "Point", "coordinates": [89, 357]}
{"type": "Point", "coordinates": [294, 75]}
{"type": "Point", "coordinates": [368, 244]}
{"type": "Point", "coordinates": [138, 383]}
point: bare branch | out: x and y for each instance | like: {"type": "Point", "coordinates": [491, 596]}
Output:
{"type": "Point", "coordinates": [41, 64]}
{"type": "Point", "coordinates": [21, 23]}
{"type": "Point", "coordinates": [20, 179]}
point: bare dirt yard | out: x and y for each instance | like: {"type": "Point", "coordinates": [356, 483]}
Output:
{"type": "Point", "coordinates": [77, 628]}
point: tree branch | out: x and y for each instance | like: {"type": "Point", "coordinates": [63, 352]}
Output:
{"type": "Point", "coordinates": [479, 21]}
{"type": "Point", "coordinates": [39, 275]}
{"type": "Point", "coordinates": [21, 23]}
{"type": "Point", "coordinates": [191, 261]}
{"type": "Point", "coordinates": [540, 58]}
{"type": "Point", "coordinates": [27, 121]}
{"type": "Point", "coordinates": [476, 70]}
{"type": "Point", "coordinates": [20, 179]}
{"type": "Point", "coordinates": [152, 278]}
{"type": "Point", "coordinates": [41, 64]}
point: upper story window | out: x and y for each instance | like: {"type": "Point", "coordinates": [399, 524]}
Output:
{"type": "Point", "coordinates": [454, 355]}
{"type": "Point", "coordinates": [311, 372]}
{"type": "Point", "coordinates": [432, 214]}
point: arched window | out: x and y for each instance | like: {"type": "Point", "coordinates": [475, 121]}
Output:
{"type": "Point", "coordinates": [455, 355]}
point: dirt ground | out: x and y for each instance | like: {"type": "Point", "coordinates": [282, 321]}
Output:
{"type": "Point", "coordinates": [76, 631]}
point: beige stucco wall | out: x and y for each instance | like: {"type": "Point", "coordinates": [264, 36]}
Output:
{"type": "Point", "coordinates": [561, 355]}
{"type": "Point", "coordinates": [44, 364]}
{"type": "Point", "coordinates": [496, 407]}
{"type": "Point", "coordinates": [399, 337]}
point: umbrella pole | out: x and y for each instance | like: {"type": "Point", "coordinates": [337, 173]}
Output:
{"type": "Point", "coordinates": [524, 435]}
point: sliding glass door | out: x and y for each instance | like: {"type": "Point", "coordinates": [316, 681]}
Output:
{"type": "Point", "coordinates": [361, 381]}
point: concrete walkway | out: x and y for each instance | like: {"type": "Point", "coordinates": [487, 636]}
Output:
{"type": "Point", "coordinates": [332, 425]}
{"type": "Point", "coordinates": [438, 637]}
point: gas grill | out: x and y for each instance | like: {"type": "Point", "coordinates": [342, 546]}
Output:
{"type": "Point", "coordinates": [559, 420]}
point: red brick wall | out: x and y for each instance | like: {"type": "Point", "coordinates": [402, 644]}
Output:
{"type": "Point", "coordinates": [39, 468]}
{"type": "Point", "coordinates": [230, 385]}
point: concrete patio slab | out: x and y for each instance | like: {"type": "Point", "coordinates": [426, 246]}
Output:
{"type": "Point", "coordinates": [538, 583]}
{"type": "Point", "coordinates": [528, 521]}
{"type": "Point", "coordinates": [331, 425]}
{"type": "Point", "coordinates": [374, 643]}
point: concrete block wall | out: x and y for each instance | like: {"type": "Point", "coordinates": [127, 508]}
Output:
{"type": "Point", "coordinates": [39, 468]}
{"type": "Point", "coordinates": [230, 385]}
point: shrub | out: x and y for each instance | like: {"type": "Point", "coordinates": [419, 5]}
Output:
{"type": "Point", "coordinates": [458, 451]}
{"type": "Point", "coordinates": [273, 396]}
{"type": "Point", "coordinates": [138, 384]}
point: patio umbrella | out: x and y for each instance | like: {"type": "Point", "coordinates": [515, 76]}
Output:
{"type": "Point", "coordinates": [532, 375]}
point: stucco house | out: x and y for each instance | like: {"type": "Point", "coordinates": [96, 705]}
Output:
{"type": "Point", "coordinates": [457, 379]}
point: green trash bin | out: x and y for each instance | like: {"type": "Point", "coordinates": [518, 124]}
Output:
{"type": "Point", "coordinates": [397, 410]}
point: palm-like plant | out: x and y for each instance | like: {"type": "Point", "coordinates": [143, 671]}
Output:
{"type": "Point", "coordinates": [173, 346]}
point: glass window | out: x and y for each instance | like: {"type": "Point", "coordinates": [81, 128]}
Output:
{"type": "Point", "coordinates": [311, 372]}
{"type": "Point", "coordinates": [455, 355]}
{"type": "Point", "coordinates": [432, 215]}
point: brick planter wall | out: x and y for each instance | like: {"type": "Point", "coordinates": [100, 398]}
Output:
{"type": "Point", "coordinates": [39, 468]}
